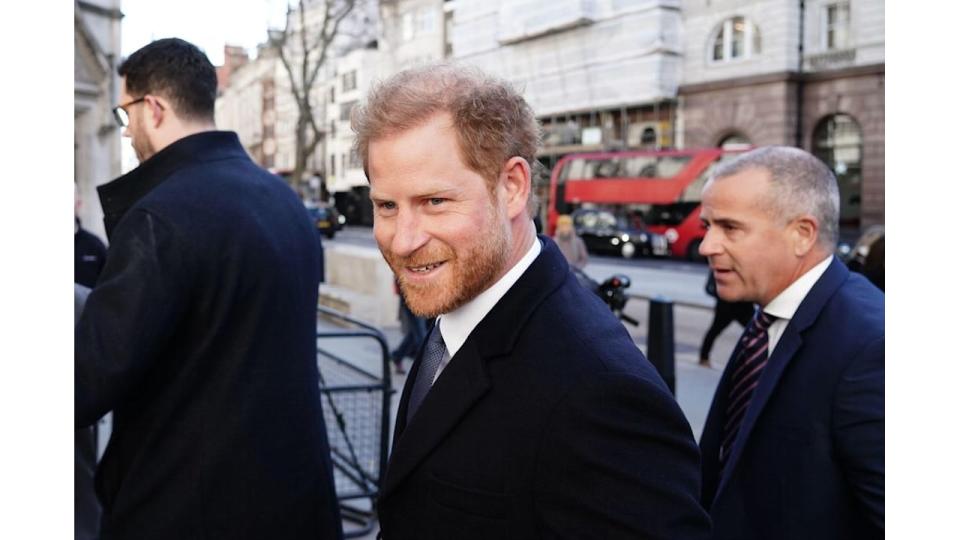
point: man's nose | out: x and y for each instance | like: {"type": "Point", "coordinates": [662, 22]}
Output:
{"type": "Point", "coordinates": [410, 233]}
{"type": "Point", "coordinates": [710, 245]}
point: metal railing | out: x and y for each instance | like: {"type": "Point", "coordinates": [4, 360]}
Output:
{"type": "Point", "coordinates": [356, 392]}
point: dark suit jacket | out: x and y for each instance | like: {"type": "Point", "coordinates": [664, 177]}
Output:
{"type": "Point", "coordinates": [547, 423]}
{"type": "Point", "coordinates": [201, 337]}
{"type": "Point", "coordinates": [808, 460]}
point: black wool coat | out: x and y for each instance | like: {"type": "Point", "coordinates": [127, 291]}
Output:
{"type": "Point", "coordinates": [200, 337]}
{"type": "Point", "coordinates": [547, 423]}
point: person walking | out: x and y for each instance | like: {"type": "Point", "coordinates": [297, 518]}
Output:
{"type": "Point", "coordinates": [724, 313]}
{"type": "Point", "coordinates": [793, 446]}
{"type": "Point", "coordinates": [570, 244]}
{"type": "Point", "coordinates": [200, 335]}
{"type": "Point", "coordinates": [414, 331]}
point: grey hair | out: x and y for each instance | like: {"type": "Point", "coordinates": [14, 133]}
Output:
{"type": "Point", "coordinates": [799, 184]}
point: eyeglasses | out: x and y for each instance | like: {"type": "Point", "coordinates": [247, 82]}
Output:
{"type": "Point", "coordinates": [120, 112]}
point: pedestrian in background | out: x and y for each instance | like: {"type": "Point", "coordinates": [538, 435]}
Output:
{"type": "Point", "coordinates": [793, 446]}
{"type": "Point", "coordinates": [89, 252]}
{"type": "Point", "coordinates": [570, 244]}
{"type": "Point", "coordinates": [530, 413]}
{"type": "Point", "coordinates": [201, 333]}
{"type": "Point", "coordinates": [868, 255]}
{"type": "Point", "coordinates": [724, 313]}
{"type": "Point", "coordinates": [414, 330]}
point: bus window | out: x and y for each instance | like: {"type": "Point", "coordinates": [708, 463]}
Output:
{"type": "Point", "coordinates": [670, 214]}
{"type": "Point", "coordinates": [693, 191]}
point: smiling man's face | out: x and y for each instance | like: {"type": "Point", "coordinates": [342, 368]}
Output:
{"type": "Point", "coordinates": [444, 234]}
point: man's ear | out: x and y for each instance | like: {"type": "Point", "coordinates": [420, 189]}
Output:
{"type": "Point", "coordinates": [156, 109]}
{"type": "Point", "coordinates": [805, 231]}
{"type": "Point", "coordinates": [515, 179]}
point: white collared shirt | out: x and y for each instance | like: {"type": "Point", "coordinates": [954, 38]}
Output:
{"type": "Point", "coordinates": [785, 305]}
{"type": "Point", "coordinates": [455, 327]}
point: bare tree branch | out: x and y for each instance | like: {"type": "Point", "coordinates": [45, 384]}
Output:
{"type": "Point", "coordinates": [303, 68]}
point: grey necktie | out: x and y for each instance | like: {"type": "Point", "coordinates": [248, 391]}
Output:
{"type": "Point", "coordinates": [433, 353]}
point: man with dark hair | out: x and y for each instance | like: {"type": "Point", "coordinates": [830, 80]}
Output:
{"type": "Point", "coordinates": [793, 444]}
{"type": "Point", "coordinates": [200, 334]}
{"type": "Point", "coordinates": [530, 413]}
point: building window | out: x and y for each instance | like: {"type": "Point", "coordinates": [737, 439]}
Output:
{"type": "Point", "coordinates": [648, 139]}
{"type": "Point", "coordinates": [836, 26]}
{"type": "Point", "coordinates": [735, 38]}
{"type": "Point", "coordinates": [333, 93]}
{"type": "Point", "coordinates": [448, 34]}
{"type": "Point", "coordinates": [426, 21]}
{"type": "Point", "coordinates": [350, 80]}
{"type": "Point", "coordinates": [734, 141]}
{"type": "Point", "coordinates": [406, 26]}
{"type": "Point", "coordinates": [333, 165]}
{"type": "Point", "coordinates": [345, 109]}
{"type": "Point", "coordinates": [838, 142]}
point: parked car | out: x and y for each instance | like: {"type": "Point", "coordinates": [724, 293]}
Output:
{"type": "Point", "coordinates": [603, 232]}
{"type": "Point", "coordinates": [326, 219]}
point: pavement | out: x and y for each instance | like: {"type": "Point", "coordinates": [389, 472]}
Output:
{"type": "Point", "coordinates": [692, 315]}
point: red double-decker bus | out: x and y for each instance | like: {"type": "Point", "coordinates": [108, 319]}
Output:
{"type": "Point", "coordinates": [657, 189]}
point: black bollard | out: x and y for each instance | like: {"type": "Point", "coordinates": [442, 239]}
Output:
{"type": "Point", "coordinates": [660, 340]}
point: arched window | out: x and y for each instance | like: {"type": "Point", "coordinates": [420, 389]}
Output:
{"type": "Point", "coordinates": [838, 141]}
{"type": "Point", "coordinates": [648, 139]}
{"type": "Point", "coordinates": [734, 38]}
{"type": "Point", "coordinates": [734, 141]}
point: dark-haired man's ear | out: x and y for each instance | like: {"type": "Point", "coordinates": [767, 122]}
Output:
{"type": "Point", "coordinates": [515, 181]}
{"type": "Point", "coordinates": [157, 109]}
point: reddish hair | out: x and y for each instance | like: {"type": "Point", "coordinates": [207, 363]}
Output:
{"type": "Point", "coordinates": [492, 120]}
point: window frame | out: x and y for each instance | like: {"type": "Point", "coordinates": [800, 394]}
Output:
{"type": "Point", "coordinates": [829, 29]}
{"type": "Point", "coordinates": [725, 31]}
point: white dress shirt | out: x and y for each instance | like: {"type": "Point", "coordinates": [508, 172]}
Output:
{"type": "Point", "coordinates": [455, 327]}
{"type": "Point", "coordinates": [788, 301]}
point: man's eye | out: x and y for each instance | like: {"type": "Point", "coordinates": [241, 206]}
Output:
{"type": "Point", "coordinates": [387, 205]}
{"type": "Point", "coordinates": [436, 201]}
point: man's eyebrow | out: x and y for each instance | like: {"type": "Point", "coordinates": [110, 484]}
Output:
{"type": "Point", "coordinates": [722, 221]}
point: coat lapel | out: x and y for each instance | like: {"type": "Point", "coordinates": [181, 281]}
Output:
{"type": "Point", "coordinates": [458, 387]}
{"type": "Point", "coordinates": [790, 343]}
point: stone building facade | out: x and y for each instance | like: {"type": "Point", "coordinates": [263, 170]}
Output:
{"type": "Point", "coordinates": [96, 135]}
{"type": "Point", "coordinates": [749, 79]}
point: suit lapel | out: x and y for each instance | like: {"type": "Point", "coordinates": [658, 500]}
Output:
{"type": "Point", "coordinates": [461, 383]}
{"type": "Point", "coordinates": [790, 343]}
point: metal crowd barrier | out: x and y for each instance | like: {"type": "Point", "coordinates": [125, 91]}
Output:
{"type": "Point", "coordinates": [356, 392]}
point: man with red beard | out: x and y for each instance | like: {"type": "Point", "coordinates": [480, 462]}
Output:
{"type": "Point", "coordinates": [530, 412]}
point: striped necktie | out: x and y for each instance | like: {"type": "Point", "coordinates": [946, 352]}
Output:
{"type": "Point", "coordinates": [433, 353]}
{"type": "Point", "coordinates": [747, 369]}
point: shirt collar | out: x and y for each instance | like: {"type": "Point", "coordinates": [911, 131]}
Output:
{"type": "Point", "coordinates": [788, 301]}
{"type": "Point", "coordinates": [456, 326]}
